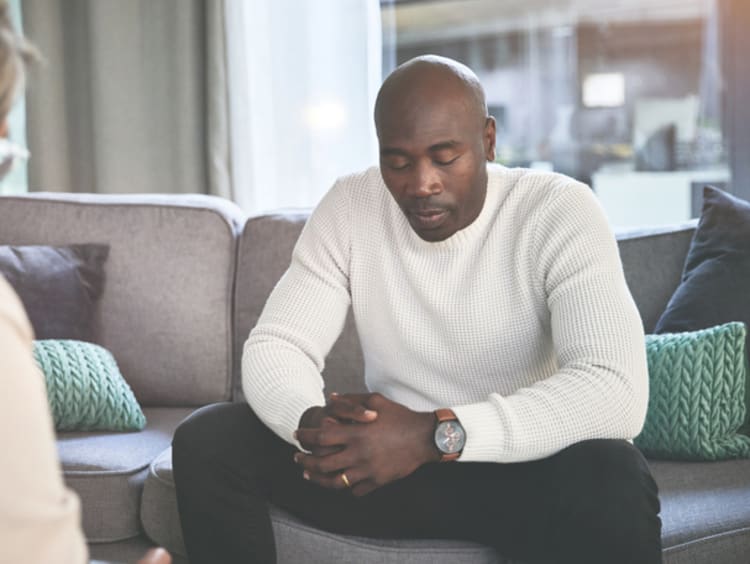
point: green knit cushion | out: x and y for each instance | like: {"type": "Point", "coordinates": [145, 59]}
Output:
{"type": "Point", "coordinates": [697, 395]}
{"type": "Point", "coordinates": [85, 388]}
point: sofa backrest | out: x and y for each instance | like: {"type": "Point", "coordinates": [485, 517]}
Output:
{"type": "Point", "coordinates": [166, 311]}
{"type": "Point", "coordinates": [652, 261]}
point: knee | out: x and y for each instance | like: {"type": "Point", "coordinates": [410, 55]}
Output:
{"type": "Point", "coordinates": [608, 508]}
{"type": "Point", "coordinates": [208, 429]}
{"type": "Point", "coordinates": [609, 482]}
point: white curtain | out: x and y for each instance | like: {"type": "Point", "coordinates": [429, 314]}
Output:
{"type": "Point", "coordinates": [303, 77]}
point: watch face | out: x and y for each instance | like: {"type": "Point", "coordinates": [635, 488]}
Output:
{"type": "Point", "coordinates": [450, 437]}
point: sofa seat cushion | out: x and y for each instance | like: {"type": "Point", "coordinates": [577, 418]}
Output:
{"type": "Point", "coordinates": [705, 515]}
{"type": "Point", "coordinates": [705, 510]}
{"type": "Point", "coordinates": [107, 470]}
{"type": "Point", "coordinates": [297, 542]}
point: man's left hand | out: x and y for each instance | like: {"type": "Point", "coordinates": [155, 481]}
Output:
{"type": "Point", "coordinates": [371, 454]}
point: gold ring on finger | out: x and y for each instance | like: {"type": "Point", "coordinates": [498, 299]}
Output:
{"type": "Point", "coordinates": [345, 480]}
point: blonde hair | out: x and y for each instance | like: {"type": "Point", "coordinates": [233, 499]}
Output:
{"type": "Point", "coordinates": [15, 54]}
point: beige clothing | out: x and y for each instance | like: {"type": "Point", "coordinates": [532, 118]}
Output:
{"type": "Point", "coordinates": [39, 516]}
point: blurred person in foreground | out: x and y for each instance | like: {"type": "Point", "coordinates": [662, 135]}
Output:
{"type": "Point", "coordinates": [39, 515]}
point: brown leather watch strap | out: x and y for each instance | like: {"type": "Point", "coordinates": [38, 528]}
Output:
{"type": "Point", "coordinates": [445, 414]}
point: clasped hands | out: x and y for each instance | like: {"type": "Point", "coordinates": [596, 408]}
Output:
{"type": "Point", "coordinates": [367, 438]}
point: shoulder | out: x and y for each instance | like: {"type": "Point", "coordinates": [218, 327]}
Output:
{"type": "Point", "coordinates": [357, 183]}
{"type": "Point", "coordinates": [355, 190]}
{"type": "Point", "coordinates": [554, 196]}
{"type": "Point", "coordinates": [545, 187]}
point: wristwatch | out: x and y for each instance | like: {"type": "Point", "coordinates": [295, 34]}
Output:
{"type": "Point", "coordinates": [450, 436]}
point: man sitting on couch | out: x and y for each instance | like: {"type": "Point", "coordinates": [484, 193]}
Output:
{"type": "Point", "coordinates": [503, 352]}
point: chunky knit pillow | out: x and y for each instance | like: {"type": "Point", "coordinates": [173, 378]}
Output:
{"type": "Point", "coordinates": [697, 395]}
{"type": "Point", "coordinates": [85, 388]}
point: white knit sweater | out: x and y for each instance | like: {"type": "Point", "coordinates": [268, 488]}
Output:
{"type": "Point", "coordinates": [521, 322]}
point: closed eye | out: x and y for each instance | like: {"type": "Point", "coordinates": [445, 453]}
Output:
{"type": "Point", "coordinates": [446, 162]}
{"type": "Point", "coordinates": [398, 166]}
{"type": "Point", "coordinates": [396, 162]}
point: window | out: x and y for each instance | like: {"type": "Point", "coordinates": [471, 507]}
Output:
{"type": "Point", "coordinates": [16, 181]}
{"type": "Point", "coordinates": [623, 95]}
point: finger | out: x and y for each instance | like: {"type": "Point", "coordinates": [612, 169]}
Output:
{"type": "Point", "coordinates": [363, 487]}
{"type": "Point", "coordinates": [345, 409]}
{"type": "Point", "coordinates": [361, 399]}
{"type": "Point", "coordinates": [325, 422]}
{"type": "Point", "coordinates": [334, 480]}
{"type": "Point", "coordinates": [156, 556]}
{"type": "Point", "coordinates": [327, 436]}
{"type": "Point", "coordinates": [337, 462]}
{"type": "Point", "coordinates": [324, 451]}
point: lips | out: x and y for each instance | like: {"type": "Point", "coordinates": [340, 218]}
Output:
{"type": "Point", "coordinates": [428, 219]}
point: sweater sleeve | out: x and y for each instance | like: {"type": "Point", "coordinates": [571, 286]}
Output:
{"type": "Point", "coordinates": [600, 388]}
{"type": "Point", "coordinates": [284, 355]}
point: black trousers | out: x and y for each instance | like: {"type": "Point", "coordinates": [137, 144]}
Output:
{"type": "Point", "coordinates": [594, 502]}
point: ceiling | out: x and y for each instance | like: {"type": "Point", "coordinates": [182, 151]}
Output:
{"type": "Point", "coordinates": [428, 21]}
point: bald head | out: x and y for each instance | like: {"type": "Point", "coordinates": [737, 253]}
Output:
{"type": "Point", "coordinates": [432, 79]}
{"type": "Point", "coordinates": [435, 140]}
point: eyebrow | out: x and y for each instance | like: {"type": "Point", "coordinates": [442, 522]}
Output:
{"type": "Point", "coordinates": [443, 145]}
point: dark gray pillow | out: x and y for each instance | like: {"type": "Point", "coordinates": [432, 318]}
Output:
{"type": "Point", "coordinates": [715, 280]}
{"type": "Point", "coordinates": [58, 286]}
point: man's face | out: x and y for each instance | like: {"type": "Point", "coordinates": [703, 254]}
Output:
{"type": "Point", "coordinates": [433, 153]}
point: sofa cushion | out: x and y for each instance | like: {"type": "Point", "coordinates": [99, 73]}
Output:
{"type": "Point", "coordinates": [295, 541]}
{"type": "Point", "coordinates": [107, 470]}
{"type": "Point", "coordinates": [85, 389]}
{"type": "Point", "coordinates": [652, 260]}
{"type": "Point", "coordinates": [259, 267]}
{"type": "Point", "coordinates": [161, 521]}
{"type": "Point", "coordinates": [705, 510]}
{"type": "Point", "coordinates": [696, 400]}
{"type": "Point", "coordinates": [714, 281]}
{"type": "Point", "coordinates": [58, 286]}
{"type": "Point", "coordinates": [713, 288]}
{"type": "Point", "coordinates": [170, 273]}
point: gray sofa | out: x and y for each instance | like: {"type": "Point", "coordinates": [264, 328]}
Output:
{"type": "Point", "coordinates": [187, 277]}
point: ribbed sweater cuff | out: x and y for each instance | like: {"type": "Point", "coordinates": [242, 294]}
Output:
{"type": "Point", "coordinates": [282, 409]}
{"type": "Point", "coordinates": [295, 406]}
{"type": "Point", "coordinates": [484, 432]}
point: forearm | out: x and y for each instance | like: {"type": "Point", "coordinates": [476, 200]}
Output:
{"type": "Point", "coordinates": [280, 390]}
{"type": "Point", "coordinates": [285, 352]}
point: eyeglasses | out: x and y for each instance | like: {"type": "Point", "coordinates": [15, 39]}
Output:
{"type": "Point", "coordinates": [10, 153]}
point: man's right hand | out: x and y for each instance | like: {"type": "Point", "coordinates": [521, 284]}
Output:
{"type": "Point", "coordinates": [349, 408]}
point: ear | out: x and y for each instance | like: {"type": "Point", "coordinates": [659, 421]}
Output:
{"type": "Point", "coordinates": [490, 131]}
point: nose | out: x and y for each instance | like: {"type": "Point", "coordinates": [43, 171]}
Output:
{"type": "Point", "coordinates": [426, 181]}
